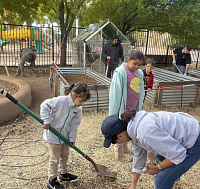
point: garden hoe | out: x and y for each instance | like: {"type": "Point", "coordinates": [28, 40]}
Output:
{"type": "Point", "coordinates": [100, 169]}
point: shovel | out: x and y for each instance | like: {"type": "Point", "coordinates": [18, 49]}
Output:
{"type": "Point", "coordinates": [100, 169]}
{"type": "Point", "coordinates": [178, 69]}
{"type": "Point", "coordinates": [107, 67]}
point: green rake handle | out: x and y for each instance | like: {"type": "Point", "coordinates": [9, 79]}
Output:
{"type": "Point", "coordinates": [11, 98]}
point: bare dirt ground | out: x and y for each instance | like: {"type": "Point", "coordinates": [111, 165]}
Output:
{"type": "Point", "coordinates": [8, 87]}
{"type": "Point", "coordinates": [24, 156]}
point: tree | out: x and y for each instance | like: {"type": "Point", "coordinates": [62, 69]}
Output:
{"type": "Point", "coordinates": [127, 15]}
{"type": "Point", "coordinates": [64, 13]}
{"type": "Point", "coordinates": [61, 11]}
{"type": "Point", "coordinates": [177, 17]}
{"type": "Point", "coordinates": [185, 26]}
{"type": "Point", "coordinates": [18, 12]}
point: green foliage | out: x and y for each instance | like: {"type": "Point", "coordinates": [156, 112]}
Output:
{"type": "Point", "coordinates": [19, 12]}
{"type": "Point", "coordinates": [180, 18]}
{"type": "Point", "coordinates": [63, 12]}
{"type": "Point", "coordinates": [127, 15]}
{"type": "Point", "coordinates": [186, 24]}
{"type": "Point", "coordinates": [169, 40]}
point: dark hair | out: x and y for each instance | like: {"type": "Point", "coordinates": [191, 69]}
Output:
{"type": "Point", "coordinates": [122, 128]}
{"type": "Point", "coordinates": [114, 36]}
{"type": "Point", "coordinates": [188, 47]}
{"type": "Point", "coordinates": [80, 90]}
{"type": "Point", "coordinates": [150, 61]}
{"type": "Point", "coordinates": [137, 55]}
{"type": "Point", "coordinates": [29, 56]}
{"type": "Point", "coordinates": [126, 117]}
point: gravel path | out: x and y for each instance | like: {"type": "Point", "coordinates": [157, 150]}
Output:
{"type": "Point", "coordinates": [24, 154]}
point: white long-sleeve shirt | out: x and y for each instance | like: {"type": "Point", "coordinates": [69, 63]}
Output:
{"type": "Point", "coordinates": [168, 134]}
{"type": "Point", "coordinates": [63, 116]}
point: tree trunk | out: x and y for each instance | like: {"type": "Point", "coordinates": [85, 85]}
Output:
{"type": "Point", "coordinates": [63, 31]}
{"type": "Point", "coordinates": [66, 26]}
{"type": "Point", "coordinates": [63, 53]}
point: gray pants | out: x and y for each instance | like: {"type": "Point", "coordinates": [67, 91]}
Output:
{"type": "Point", "coordinates": [21, 68]}
{"type": "Point", "coordinates": [22, 62]}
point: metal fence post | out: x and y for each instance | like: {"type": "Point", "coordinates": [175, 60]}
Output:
{"type": "Point", "coordinates": [197, 60]}
{"type": "Point", "coordinates": [52, 44]}
{"type": "Point", "coordinates": [84, 54]}
{"type": "Point", "coordinates": [100, 52]}
{"type": "Point", "coordinates": [147, 42]}
{"type": "Point", "coordinates": [166, 55]}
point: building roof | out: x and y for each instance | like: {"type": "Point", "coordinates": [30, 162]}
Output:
{"type": "Point", "coordinates": [93, 32]}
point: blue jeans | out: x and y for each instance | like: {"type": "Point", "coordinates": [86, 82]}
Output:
{"type": "Point", "coordinates": [165, 179]}
{"type": "Point", "coordinates": [181, 68]}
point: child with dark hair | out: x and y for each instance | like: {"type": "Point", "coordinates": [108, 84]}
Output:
{"type": "Point", "coordinates": [63, 113]}
{"type": "Point", "coordinates": [148, 75]}
{"type": "Point", "coordinates": [126, 93]}
{"type": "Point", "coordinates": [173, 137]}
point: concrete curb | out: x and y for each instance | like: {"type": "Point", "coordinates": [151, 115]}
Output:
{"type": "Point", "coordinates": [9, 110]}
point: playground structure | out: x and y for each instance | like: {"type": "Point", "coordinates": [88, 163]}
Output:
{"type": "Point", "coordinates": [13, 38]}
{"type": "Point", "coordinates": [33, 35]}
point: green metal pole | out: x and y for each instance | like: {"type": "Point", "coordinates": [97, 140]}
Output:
{"type": "Point", "coordinates": [11, 98]}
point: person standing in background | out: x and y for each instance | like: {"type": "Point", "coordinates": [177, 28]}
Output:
{"type": "Point", "coordinates": [113, 50]}
{"type": "Point", "coordinates": [183, 59]}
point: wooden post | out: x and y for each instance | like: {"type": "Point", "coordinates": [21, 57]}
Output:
{"type": "Point", "coordinates": [198, 95]}
{"type": "Point", "coordinates": [160, 97]}
{"type": "Point", "coordinates": [155, 96]}
{"type": "Point", "coordinates": [56, 84]}
{"type": "Point", "coordinates": [57, 67]}
{"type": "Point", "coordinates": [5, 67]}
